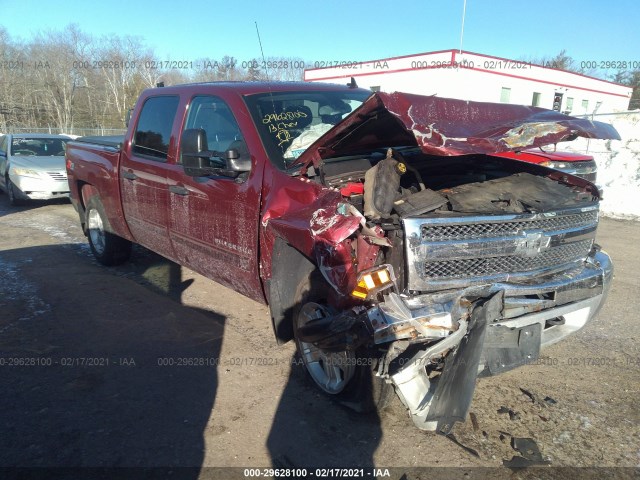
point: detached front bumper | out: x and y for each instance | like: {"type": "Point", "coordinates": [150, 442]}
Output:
{"type": "Point", "coordinates": [441, 342]}
{"type": "Point", "coordinates": [42, 188]}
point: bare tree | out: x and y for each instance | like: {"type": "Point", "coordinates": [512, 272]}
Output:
{"type": "Point", "coordinates": [66, 78]}
{"type": "Point", "coordinates": [56, 70]}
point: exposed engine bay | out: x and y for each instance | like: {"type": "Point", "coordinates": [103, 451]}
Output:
{"type": "Point", "coordinates": [468, 276]}
{"type": "Point", "coordinates": [406, 183]}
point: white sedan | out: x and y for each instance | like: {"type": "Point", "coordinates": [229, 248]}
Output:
{"type": "Point", "coordinates": [32, 166]}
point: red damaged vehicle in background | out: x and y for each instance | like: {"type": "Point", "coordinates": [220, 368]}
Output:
{"type": "Point", "coordinates": [390, 243]}
{"type": "Point", "coordinates": [568, 162]}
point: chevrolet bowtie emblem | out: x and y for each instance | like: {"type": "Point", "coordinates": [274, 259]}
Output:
{"type": "Point", "coordinates": [532, 244]}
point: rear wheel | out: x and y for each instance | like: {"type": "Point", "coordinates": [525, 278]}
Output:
{"type": "Point", "coordinates": [109, 249]}
{"type": "Point", "coordinates": [347, 376]}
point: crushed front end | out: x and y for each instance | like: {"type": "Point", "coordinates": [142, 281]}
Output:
{"type": "Point", "coordinates": [453, 262]}
{"type": "Point", "coordinates": [453, 296]}
{"type": "Point", "coordinates": [485, 294]}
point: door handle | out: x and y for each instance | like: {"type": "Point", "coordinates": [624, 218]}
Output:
{"type": "Point", "coordinates": [129, 175]}
{"type": "Point", "coordinates": [178, 190]}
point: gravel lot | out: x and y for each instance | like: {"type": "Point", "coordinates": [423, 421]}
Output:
{"type": "Point", "coordinates": [151, 365]}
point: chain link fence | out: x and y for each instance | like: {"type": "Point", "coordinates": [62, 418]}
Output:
{"type": "Point", "coordinates": [80, 132]}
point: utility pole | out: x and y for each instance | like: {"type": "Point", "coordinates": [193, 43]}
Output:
{"type": "Point", "coordinates": [464, 11]}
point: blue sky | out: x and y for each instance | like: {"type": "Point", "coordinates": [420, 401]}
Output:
{"type": "Point", "coordinates": [341, 30]}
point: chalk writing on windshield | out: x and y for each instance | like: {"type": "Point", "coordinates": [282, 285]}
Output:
{"type": "Point", "coordinates": [279, 124]}
{"type": "Point", "coordinates": [279, 117]}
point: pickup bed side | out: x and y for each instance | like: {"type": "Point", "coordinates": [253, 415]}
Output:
{"type": "Point", "coordinates": [97, 173]}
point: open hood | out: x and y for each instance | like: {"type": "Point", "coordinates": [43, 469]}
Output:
{"type": "Point", "coordinates": [445, 126]}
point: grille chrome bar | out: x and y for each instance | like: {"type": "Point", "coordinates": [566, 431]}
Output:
{"type": "Point", "coordinates": [433, 232]}
{"type": "Point", "coordinates": [450, 252]}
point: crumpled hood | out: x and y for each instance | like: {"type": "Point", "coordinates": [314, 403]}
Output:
{"type": "Point", "coordinates": [445, 126]}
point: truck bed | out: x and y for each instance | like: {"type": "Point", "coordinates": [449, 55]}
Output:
{"type": "Point", "coordinates": [114, 141]}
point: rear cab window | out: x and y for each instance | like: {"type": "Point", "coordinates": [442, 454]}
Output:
{"type": "Point", "coordinates": [153, 131]}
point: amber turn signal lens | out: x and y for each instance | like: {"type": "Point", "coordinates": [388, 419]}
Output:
{"type": "Point", "coordinates": [373, 281]}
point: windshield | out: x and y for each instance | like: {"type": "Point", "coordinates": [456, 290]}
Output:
{"type": "Point", "coordinates": [288, 122]}
{"type": "Point", "coordinates": [39, 147]}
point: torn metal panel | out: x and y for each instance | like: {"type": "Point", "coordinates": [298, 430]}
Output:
{"type": "Point", "coordinates": [452, 397]}
{"type": "Point", "coordinates": [314, 221]}
{"type": "Point", "coordinates": [412, 382]}
{"type": "Point", "coordinates": [486, 341]}
{"type": "Point", "coordinates": [392, 320]}
{"type": "Point", "coordinates": [336, 263]}
{"type": "Point", "coordinates": [445, 126]}
{"type": "Point", "coordinates": [304, 212]}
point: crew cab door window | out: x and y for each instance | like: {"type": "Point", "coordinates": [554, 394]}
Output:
{"type": "Point", "coordinates": [153, 132]}
{"type": "Point", "coordinates": [143, 182]}
{"type": "Point", "coordinates": [214, 116]}
{"type": "Point", "coordinates": [213, 219]}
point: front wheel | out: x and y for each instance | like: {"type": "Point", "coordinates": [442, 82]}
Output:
{"type": "Point", "coordinates": [331, 371]}
{"type": "Point", "coordinates": [11, 193]}
{"type": "Point", "coordinates": [108, 248]}
{"type": "Point", "coordinates": [347, 376]}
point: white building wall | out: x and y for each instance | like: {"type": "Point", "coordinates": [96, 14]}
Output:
{"type": "Point", "coordinates": [470, 76]}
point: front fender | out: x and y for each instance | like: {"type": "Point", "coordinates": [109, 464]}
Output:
{"type": "Point", "coordinates": [305, 226]}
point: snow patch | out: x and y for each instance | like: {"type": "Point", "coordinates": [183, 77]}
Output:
{"type": "Point", "coordinates": [60, 233]}
{"type": "Point", "coordinates": [16, 288]}
{"type": "Point", "coordinates": [618, 164]}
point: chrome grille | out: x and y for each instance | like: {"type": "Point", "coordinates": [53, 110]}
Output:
{"type": "Point", "coordinates": [462, 251]}
{"type": "Point", "coordinates": [59, 176]}
{"type": "Point", "coordinates": [474, 267]}
{"type": "Point", "coordinates": [461, 231]}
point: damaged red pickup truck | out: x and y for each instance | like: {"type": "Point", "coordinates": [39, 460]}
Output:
{"type": "Point", "coordinates": [389, 242]}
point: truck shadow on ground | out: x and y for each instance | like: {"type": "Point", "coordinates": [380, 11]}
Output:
{"type": "Point", "coordinates": [101, 376]}
{"type": "Point", "coordinates": [310, 430]}
{"type": "Point", "coordinates": [109, 381]}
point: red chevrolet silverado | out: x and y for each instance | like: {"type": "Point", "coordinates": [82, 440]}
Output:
{"type": "Point", "coordinates": [574, 163]}
{"type": "Point", "coordinates": [390, 243]}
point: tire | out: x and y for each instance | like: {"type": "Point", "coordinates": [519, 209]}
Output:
{"type": "Point", "coordinates": [11, 193]}
{"type": "Point", "coordinates": [348, 377]}
{"type": "Point", "coordinates": [109, 249]}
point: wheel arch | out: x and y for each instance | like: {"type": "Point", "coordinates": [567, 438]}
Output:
{"type": "Point", "coordinates": [113, 209]}
{"type": "Point", "coordinates": [289, 268]}
{"type": "Point", "coordinates": [86, 191]}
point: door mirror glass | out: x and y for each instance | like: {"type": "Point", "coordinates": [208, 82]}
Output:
{"type": "Point", "coordinates": [237, 161]}
{"type": "Point", "coordinates": [194, 154]}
